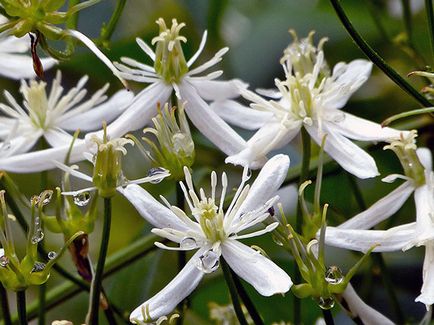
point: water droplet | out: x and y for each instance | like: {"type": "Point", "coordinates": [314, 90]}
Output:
{"type": "Point", "coordinates": [158, 174]}
{"type": "Point", "coordinates": [4, 261]}
{"type": "Point", "coordinates": [45, 198]}
{"type": "Point", "coordinates": [209, 261]}
{"type": "Point", "coordinates": [277, 240]}
{"type": "Point", "coordinates": [82, 199]}
{"type": "Point", "coordinates": [34, 199]}
{"type": "Point", "coordinates": [51, 255]}
{"type": "Point", "coordinates": [326, 302]}
{"type": "Point", "coordinates": [38, 236]}
{"type": "Point", "coordinates": [188, 243]}
{"type": "Point", "coordinates": [333, 275]}
{"type": "Point", "coordinates": [38, 267]}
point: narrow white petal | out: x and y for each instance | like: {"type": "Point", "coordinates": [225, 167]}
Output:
{"type": "Point", "coordinates": [239, 115]}
{"type": "Point", "coordinates": [347, 154]}
{"type": "Point", "coordinates": [424, 201]}
{"type": "Point", "coordinates": [380, 210]}
{"type": "Point", "coordinates": [425, 157]}
{"type": "Point", "coordinates": [393, 239]}
{"type": "Point", "coordinates": [199, 50]}
{"type": "Point", "coordinates": [209, 123]}
{"type": "Point", "coordinates": [153, 211]}
{"type": "Point", "coordinates": [358, 308]}
{"type": "Point", "coordinates": [265, 276]}
{"type": "Point", "coordinates": [57, 138]}
{"type": "Point", "coordinates": [18, 66]}
{"type": "Point", "coordinates": [73, 172]}
{"type": "Point", "coordinates": [108, 111]}
{"type": "Point", "coordinates": [145, 47]}
{"type": "Point", "coordinates": [211, 90]}
{"type": "Point", "coordinates": [165, 301]}
{"type": "Point", "coordinates": [18, 145]}
{"type": "Point", "coordinates": [427, 292]}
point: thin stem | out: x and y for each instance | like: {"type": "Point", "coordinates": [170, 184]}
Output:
{"type": "Point", "coordinates": [257, 320]}
{"type": "Point", "coordinates": [430, 17]}
{"type": "Point", "coordinates": [107, 30]}
{"type": "Point", "coordinates": [182, 257]}
{"type": "Point", "coordinates": [43, 287]}
{"type": "Point", "coordinates": [328, 317]}
{"type": "Point", "coordinates": [375, 57]}
{"type": "Point", "coordinates": [95, 291]}
{"type": "Point", "coordinates": [21, 307]}
{"type": "Point", "coordinates": [233, 292]}
{"type": "Point", "coordinates": [5, 306]}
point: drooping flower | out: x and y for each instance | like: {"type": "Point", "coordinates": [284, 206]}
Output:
{"type": "Point", "coordinates": [214, 233]}
{"type": "Point", "coordinates": [15, 63]}
{"type": "Point", "coordinates": [51, 114]}
{"type": "Point", "coordinates": [310, 97]}
{"type": "Point", "coordinates": [419, 179]}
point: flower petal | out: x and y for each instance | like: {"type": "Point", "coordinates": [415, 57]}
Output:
{"type": "Point", "coordinates": [347, 154]}
{"type": "Point", "coordinates": [217, 89]}
{"type": "Point", "coordinates": [165, 301]}
{"type": "Point", "coordinates": [358, 308]}
{"type": "Point", "coordinates": [265, 276]}
{"type": "Point", "coordinates": [427, 292]}
{"type": "Point", "coordinates": [107, 111]}
{"type": "Point", "coordinates": [424, 201]}
{"type": "Point", "coordinates": [380, 210]}
{"type": "Point", "coordinates": [18, 66]}
{"type": "Point", "coordinates": [239, 115]}
{"type": "Point", "coordinates": [153, 211]}
{"type": "Point", "coordinates": [393, 239]}
{"type": "Point", "coordinates": [57, 138]}
{"type": "Point", "coordinates": [19, 145]}
{"type": "Point", "coordinates": [425, 157]}
{"type": "Point", "coordinates": [209, 123]}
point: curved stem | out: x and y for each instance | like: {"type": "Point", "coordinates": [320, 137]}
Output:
{"type": "Point", "coordinates": [375, 57]}
{"type": "Point", "coordinates": [107, 30]}
{"type": "Point", "coordinates": [430, 17]}
{"type": "Point", "coordinates": [5, 306]}
{"type": "Point", "coordinates": [21, 307]}
{"type": "Point", "coordinates": [233, 292]}
{"type": "Point", "coordinates": [95, 291]}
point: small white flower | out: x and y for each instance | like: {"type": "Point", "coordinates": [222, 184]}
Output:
{"type": "Point", "coordinates": [14, 63]}
{"type": "Point", "coordinates": [214, 233]}
{"type": "Point", "coordinates": [309, 97]}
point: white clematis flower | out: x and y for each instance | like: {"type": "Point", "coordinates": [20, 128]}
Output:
{"type": "Point", "coordinates": [14, 63]}
{"type": "Point", "coordinates": [354, 234]}
{"type": "Point", "coordinates": [309, 97]}
{"type": "Point", "coordinates": [51, 114]}
{"type": "Point", "coordinates": [214, 233]}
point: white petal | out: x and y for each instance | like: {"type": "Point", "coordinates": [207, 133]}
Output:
{"type": "Point", "coordinates": [199, 50]}
{"type": "Point", "coordinates": [393, 239]}
{"type": "Point", "coordinates": [347, 154]}
{"type": "Point", "coordinates": [424, 201]}
{"type": "Point", "coordinates": [107, 111]}
{"type": "Point", "coordinates": [140, 112]}
{"type": "Point", "coordinates": [209, 123]}
{"type": "Point", "coordinates": [380, 210]}
{"type": "Point", "coordinates": [153, 211]}
{"type": "Point", "coordinates": [165, 301]}
{"type": "Point", "coordinates": [358, 308]}
{"type": "Point", "coordinates": [57, 138]}
{"type": "Point", "coordinates": [425, 157]}
{"type": "Point", "coordinates": [265, 276]}
{"type": "Point", "coordinates": [357, 128]}
{"type": "Point", "coordinates": [239, 115]}
{"type": "Point", "coordinates": [19, 145]}
{"type": "Point", "coordinates": [217, 89]}
{"type": "Point", "coordinates": [18, 66]}
{"type": "Point", "coordinates": [427, 291]}
{"type": "Point", "coordinates": [43, 159]}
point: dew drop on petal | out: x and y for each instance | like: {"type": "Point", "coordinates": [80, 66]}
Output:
{"type": "Point", "coordinates": [46, 199]}
{"type": "Point", "coordinates": [276, 240]}
{"type": "Point", "coordinates": [38, 267]}
{"type": "Point", "coordinates": [81, 199]}
{"type": "Point", "coordinates": [38, 236]}
{"type": "Point", "coordinates": [333, 275]}
{"type": "Point", "coordinates": [51, 255]}
{"type": "Point", "coordinates": [188, 243]}
{"type": "Point", "coordinates": [209, 261]}
{"type": "Point", "coordinates": [158, 174]}
{"type": "Point", "coordinates": [326, 302]}
{"type": "Point", "coordinates": [4, 261]}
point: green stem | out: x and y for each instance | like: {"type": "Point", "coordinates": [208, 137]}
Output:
{"type": "Point", "coordinates": [21, 307]}
{"type": "Point", "coordinates": [430, 17]}
{"type": "Point", "coordinates": [328, 317]}
{"type": "Point", "coordinates": [107, 30]}
{"type": "Point", "coordinates": [304, 174]}
{"type": "Point", "coordinates": [182, 258]}
{"type": "Point", "coordinates": [95, 291]}
{"type": "Point", "coordinates": [6, 314]}
{"type": "Point", "coordinates": [43, 287]}
{"type": "Point", "coordinates": [375, 57]}
{"type": "Point", "coordinates": [233, 292]}
{"type": "Point", "coordinates": [257, 320]}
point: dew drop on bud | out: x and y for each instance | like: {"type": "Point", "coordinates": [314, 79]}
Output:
{"type": "Point", "coordinates": [82, 199]}
{"type": "Point", "coordinates": [4, 261]}
{"type": "Point", "coordinates": [326, 302]}
{"type": "Point", "coordinates": [333, 275]}
{"type": "Point", "coordinates": [38, 236]}
{"type": "Point", "coordinates": [38, 267]}
{"type": "Point", "coordinates": [276, 240]}
{"type": "Point", "coordinates": [44, 200]}
{"type": "Point", "coordinates": [157, 174]}
{"type": "Point", "coordinates": [51, 255]}
{"type": "Point", "coordinates": [208, 261]}
{"type": "Point", "coordinates": [188, 243]}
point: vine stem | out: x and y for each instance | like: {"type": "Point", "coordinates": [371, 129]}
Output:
{"type": "Point", "coordinates": [328, 317]}
{"type": "Point", "coordinates": [430, 17]}
{"type": "Point", "coordinates": [304, 174]}
{"type": "Point", "coordinates": [107, 30]}
{"type": "Point", "coordinates": [233, 292]}
{"type": "Point", "coordinates": [21, 307]}
{"type": "Point", "coordinates": [95, 289]}
{"type": "Point", "coordinates": [5, 306]}
{"type": "Point", "coordinates": [375, 57]}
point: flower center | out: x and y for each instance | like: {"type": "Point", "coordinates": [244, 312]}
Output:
{"type": "Point", "coordinates": [211, 220]}
{"type": "Point", "coordinates": [170, 62]}
{"type": "Point", "coordinates": [36, 102]}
